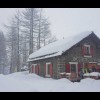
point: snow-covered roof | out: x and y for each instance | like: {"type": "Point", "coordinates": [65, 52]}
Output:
{"type": "Point", "coordinates": [58, 47]}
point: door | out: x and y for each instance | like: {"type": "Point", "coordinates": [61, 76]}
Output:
{"type": "Point", "coordinates": [74, 71]}
{"type": "Point", "coordinates": [73, 68]}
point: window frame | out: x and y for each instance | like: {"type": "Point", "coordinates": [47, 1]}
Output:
{"type": "Point", "coordinates": [35, 68]}
{"type": "Point", "coordinates": [47, 75]}
{"type": "Point", "coordinates": [89, 46]}
{"type": "Point", "coordinates": [76, 63]}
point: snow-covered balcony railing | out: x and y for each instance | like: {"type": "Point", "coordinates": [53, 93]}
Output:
{"type": "Point", "coordinates": [71, 76]}
{"type": "Point", "coordinates": [65, 75]}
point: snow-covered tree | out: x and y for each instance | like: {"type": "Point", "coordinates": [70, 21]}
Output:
{"type": "Point", "coordinates": [27, 32]}
{"type": "Point", "coordinates": [3, 55]}
{"type": "Point", "coordinates": [29, 23]}
{"type": "Point", "coordinates": [44, 33]}
{"type": "Point", "coordinates": [13, 42]}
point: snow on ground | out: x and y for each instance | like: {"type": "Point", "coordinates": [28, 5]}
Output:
{"type": "Point", "coordinates": [92, 74]}
{"type": "Point", "coordinates": [25, 82]}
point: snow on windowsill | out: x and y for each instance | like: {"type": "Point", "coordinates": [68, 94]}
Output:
{"type": "Point", "coordinates": [48, 76]}
{"type": "Point", "coordinates": [92, 74]}
{"type": "Point", "coordinates": [62, 73]}
{"type": "Point", "coordinates": [65, 73]}
{"type": "Point", "coordinates": [88, 56]}
{"type": "Point", "coordinates": [68, 73]}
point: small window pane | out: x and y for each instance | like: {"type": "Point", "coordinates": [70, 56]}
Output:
{"type": "Point", "coordinates": [73, 67]}
{"type": "Point", "coordinates": [48, 69]}
{"type": "Point", "coordinates": [87, 51]}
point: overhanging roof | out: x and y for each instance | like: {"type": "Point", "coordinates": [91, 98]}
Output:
{"type": "Point", "coordinates": [58, 47]}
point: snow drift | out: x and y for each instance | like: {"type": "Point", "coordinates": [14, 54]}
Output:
{"type": "Point", "coordinates": [25, 82]}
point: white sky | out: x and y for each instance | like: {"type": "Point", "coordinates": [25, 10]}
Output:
{"type": "Point", "coordinates": [64, 21]}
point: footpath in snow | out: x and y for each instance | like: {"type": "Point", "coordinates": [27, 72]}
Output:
{"type": "Point", "coordinates": [25, 82]}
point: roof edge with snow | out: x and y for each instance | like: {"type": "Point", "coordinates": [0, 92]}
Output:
{"type": "Point", "coordinates": [58, 47]}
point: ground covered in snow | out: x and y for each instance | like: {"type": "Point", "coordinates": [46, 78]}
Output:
{"type": "Point", "coordinates": [25, 82]}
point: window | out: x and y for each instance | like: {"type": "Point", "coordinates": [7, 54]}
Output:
{"type": "Point", "coordinates": [87, 50]}
{"type": "Point", "coordinates": [73, 67]}
{"type": "Point", "coordinates": [35, 68]}
{"type": "Point", "coordinates": [48, 69]}
{"type": "Point", "coordinates": [73, 70]}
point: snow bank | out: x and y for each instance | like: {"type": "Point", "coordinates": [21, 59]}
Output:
{"type": "Point", "coordinates": [25, 82]}
{"type": "Point", "coordinates": [92, 74]}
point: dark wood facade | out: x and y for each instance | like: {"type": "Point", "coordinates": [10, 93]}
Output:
{"type": "Point", "coordinates": [86, 53]}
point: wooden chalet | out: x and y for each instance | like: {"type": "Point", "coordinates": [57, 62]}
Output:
{"type": "Point", "coordinates": [66, 57]}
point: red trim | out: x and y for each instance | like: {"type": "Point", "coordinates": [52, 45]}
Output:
{"type": "Point", "coordinates": [51, 70]}
{"type": "Point", "coordinates": [83, 50]}
{"type": "Point", "coordinates": [32, 68]}
{"type": "Point", "coordinates": [92, 50]}
{"type": "Point", "coordinates": [68, 68]}
{"type": "Point", "coordinates": [79, 67]}
{"type": "Point", "coordinates": [45, 69]}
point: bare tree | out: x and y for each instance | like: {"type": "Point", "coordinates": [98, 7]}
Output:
{"type": "Point", "coordinates": [24, 51]}
{"type": "Point", "coordinates": [28, 31]}
{"type": "Point", "coordinates": [44, 33]}
{"type": "Point", "coordinates": [13, 42]}
{"type": "Point", "coordinates": [30, 18]}
{"type": "Point", "coordinates": [3, 55]}
{"type": "Point", "coordinates": [17, 25]}
{"type": "Point", "coordinates": [52, 39]}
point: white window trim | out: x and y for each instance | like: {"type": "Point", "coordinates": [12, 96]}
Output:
{"type": "Point", "coordinates": [73, 62]}
{"type": "Point", "coordinates": [87, 45]}
{"type": "Point", "coordinates": [34, 67]}
{"type": "Point", "coordinates": [98, 63]}
{"type": "Point", "coordinates": [76, 63]}
{"type": "Point", "coordinates": [88, 56]}
{"type": "Point", "coordinates": [93, 62]}
{"type": "Point", "coordinates": [47, 75]}
{"type": "Point", "coordinates": [89, 50]}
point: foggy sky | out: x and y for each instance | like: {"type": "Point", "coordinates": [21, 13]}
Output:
{"type": "Point", "coordinates": [64, 21]}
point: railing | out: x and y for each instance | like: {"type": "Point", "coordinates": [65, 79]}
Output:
{"type": "Point", "coordinates": [70, 76]}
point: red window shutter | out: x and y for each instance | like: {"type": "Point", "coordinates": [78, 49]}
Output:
{"type": "Point", "coordinates": [45, 69]}
{"type": "Point", "coordinates": [79, 67]}
{"type": "Point", "coordinates": [92, 50]}
{"type": "Point", "coordinates": [68, 68]}
{"type": "Point", "coordinates": [83, 50]}
{"type": "Point", "coordinates": [32, 68]}
{"type": "Point", "coordinates": [36, 69]}
{"type": "Point", "coordinates": [51, 70]}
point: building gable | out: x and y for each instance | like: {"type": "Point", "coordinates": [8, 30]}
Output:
{"type": "Point", "coordinates": [91, 38]}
